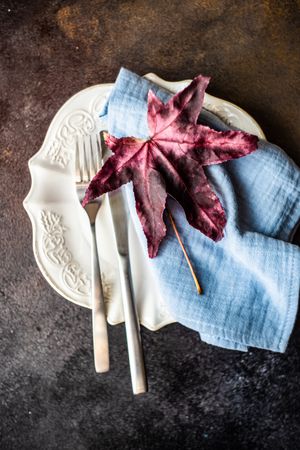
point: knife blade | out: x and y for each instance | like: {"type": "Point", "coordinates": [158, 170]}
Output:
{"type": "Point", "coordinates": [135, 352]}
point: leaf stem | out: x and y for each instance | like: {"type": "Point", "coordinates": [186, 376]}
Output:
{"type": "Point", "coordinates": [197, 284]}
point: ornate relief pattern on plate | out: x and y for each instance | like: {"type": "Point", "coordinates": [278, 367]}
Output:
{"type": "Point", "coordinates": [54, 247]}
{"type": "Point", "coordinates": [79, 123]}
{"type": "Point", "coordinates": [223, 112]}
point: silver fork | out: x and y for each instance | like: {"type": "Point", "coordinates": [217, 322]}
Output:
{"type": "Point", "coordinates": [87, 163]}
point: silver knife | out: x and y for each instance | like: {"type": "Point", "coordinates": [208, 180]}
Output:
{"type": "Point", "coordinates": [134, 344]}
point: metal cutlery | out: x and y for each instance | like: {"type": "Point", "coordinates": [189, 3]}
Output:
{"type": "Point", "coordinates": [88, 159]}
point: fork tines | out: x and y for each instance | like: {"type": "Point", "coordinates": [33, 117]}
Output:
{"type": "Point", "coordinates": [88, 158]}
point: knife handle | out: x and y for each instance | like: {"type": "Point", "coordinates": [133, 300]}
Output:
{"type": "Point", "coordinates": [134, 343]}
{"type": "Point", "coordinates": [100, 335]}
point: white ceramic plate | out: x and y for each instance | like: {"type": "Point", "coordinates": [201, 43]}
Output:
{"type": "Point", "coordinates": [61, 235]}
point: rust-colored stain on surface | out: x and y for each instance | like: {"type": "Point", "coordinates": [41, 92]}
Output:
{"type": "Point", "coordinates": [77, 26]}
{"type": "Point", "coordinates": [5, 155]}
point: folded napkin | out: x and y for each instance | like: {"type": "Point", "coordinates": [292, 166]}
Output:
{"type": "Point", "coordinates": [251, 277]}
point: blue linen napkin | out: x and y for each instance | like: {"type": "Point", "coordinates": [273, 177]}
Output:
{"type": "Point", "coordinates": [251, 277]}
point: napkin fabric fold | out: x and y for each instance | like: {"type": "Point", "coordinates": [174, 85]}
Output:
{"type": "Point", "coordinates": [251, 277]}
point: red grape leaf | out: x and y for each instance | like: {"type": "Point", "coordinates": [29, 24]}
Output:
{"type": "Point", "coordinates": [171, 162]}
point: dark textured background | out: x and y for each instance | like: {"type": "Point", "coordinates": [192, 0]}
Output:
{"type": "Point", "coordinates": [201, 397]}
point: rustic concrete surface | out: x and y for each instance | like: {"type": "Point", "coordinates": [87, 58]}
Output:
{"type": "Point", "coordinates": [200, 396]}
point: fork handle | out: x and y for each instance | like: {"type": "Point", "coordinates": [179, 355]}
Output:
{"type": "Point", "coordinates": [134, 344]}
{"type": "Point", "coordinates": [100, 336]}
